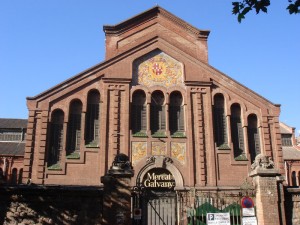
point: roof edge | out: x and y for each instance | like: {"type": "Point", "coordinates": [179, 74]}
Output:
{"type": "Point", "coordinates": [153, 13]}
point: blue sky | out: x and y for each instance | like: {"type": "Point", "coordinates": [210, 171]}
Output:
{"type": "Point", "coordinates": [43, 43]}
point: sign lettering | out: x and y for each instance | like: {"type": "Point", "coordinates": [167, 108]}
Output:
{"type": "Point", "coordinates": [159, 178]}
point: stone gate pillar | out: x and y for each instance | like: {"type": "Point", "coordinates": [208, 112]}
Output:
{"type": "Point", "coordinates": [268, 199]}
{"type": "Point", "coordinates": [117, 192]}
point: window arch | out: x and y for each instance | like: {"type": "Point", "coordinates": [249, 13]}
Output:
{"type": "Point", "coordinates": [14, 176]}
{"type": "Point", "coordinates": [220, 130]}
{"type": "Point", "coordinates": [253, 137]}
{"type": "Point", "coordinates": [55, 137]}
{"type": "Point", "coordinates": [176, 113]}
{"type": "Point", "coordinates": [294, 178]}
{"type": "Point", "coordinates": [92, 123]}
{"type": "Point", "coordinates": [157, 113]}
{"type": "Point", "coordinates": [237, 130]}
{"type": "Point", "coordinates": [74, 127]}
{"type": "Point", "coordinates": [138, 113]}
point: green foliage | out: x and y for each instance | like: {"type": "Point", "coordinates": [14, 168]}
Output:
{"type": "Point", "coordinates": [241, 8]}
{"type": "Point", "coordinates": [294, 7]}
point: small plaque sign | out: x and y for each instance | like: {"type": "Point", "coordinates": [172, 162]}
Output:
{"type": "Point", "coordinates": [218, 219]}
{"type": "Point", "coordinates": [249, 220]}
{"type": "Point", "coordinates": [248, 212]}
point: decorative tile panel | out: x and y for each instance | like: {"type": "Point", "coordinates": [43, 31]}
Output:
{"type": "Point", "coordinates": [178, 151]}
{"type": "Point", "coordinates": [138, 151]}
{"type": "Point", "coordinates": [159, 148]}
{"type": "Point", "coordinates": [157, 68]}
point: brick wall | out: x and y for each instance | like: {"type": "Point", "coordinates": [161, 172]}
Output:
{"type": "Point", "coordinates": [50, 205]}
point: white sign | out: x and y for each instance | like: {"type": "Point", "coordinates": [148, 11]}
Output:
{"type": "Point", "coordinates": [249, 221]}
{"type": "Point", "coordinates": [218, 219]}
{"type": "Point", "coordinates": [248, 212]}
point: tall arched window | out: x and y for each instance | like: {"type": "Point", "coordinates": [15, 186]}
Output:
{"type": "Point", "coordinates": [55, 137]}
{"type": "Point", "coordinates": [158, 115]}
{"type": "Point", "coordinates": [220, 130]}
{"type": "Point", "coordinates": [294, 178]}
{"type": "Point", "coordinates": [14, 176]}
{"type": "Point", "coordinates": [237, 131]}
{"type": "Point", "coordinates": [92, 119]}
{"type": "Point", "coordinates": [138, 113]}
{"type": "Point", "coordinates": [74, 127]}
{"type": "Point", "coordinates": [176, 113]}
{"type": "Point", "coordinates": [253, 137]}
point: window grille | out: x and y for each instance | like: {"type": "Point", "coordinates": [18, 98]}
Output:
{"type": "Point", "coordinates": [176, 113]}
{"type": "Point", "coordinates": [56, 138]}
{"type": "Point", "coordinates": [74, 127]}
{"type": "Point", "coordinates": [286, 139]}
{"type": "Point", "coordinates": [157, 114]}
{"type": "Point", "coordinates": [92, 119]}
{"type": "Point", "coordinates": [219, 117]}
{"type": "Point", "coordinates": [139, 113]}
{"type": "Point", "coordinates": [253, 137]}
{"type": "Point", "coordinates": [10, 136]}
{"type": "Point", "coordinates": [237, 130]}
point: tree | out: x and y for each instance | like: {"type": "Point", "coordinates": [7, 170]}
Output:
{"type": "Point", "coordinates": [241, 8]}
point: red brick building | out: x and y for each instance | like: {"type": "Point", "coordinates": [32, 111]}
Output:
{"type": "Point", "coordinates": [291, 155]}
{"type": "Point", "coordinates": [12, 145]}
{"type": "Point", "coordinates": [187, 128]}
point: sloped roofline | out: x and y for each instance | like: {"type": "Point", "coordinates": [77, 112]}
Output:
{"type": "Point", "coordinates": [106, 63]}
{"type": "Point", "coordinates": [149, 14]}
{"type": "Point", "coordinates": [127, 24]}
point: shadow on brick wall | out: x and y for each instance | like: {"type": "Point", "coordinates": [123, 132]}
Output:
{"type": "Point", "coordinates": [51, 205]}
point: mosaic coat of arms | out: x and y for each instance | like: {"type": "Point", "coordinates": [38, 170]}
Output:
{"type": "Point", "coordinates": [157, 68]}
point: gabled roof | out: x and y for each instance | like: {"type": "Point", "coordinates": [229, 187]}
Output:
{"type": "Point", "coordinates": [13, 123]}
{"type": "Point", "coordinates": [98, 70]}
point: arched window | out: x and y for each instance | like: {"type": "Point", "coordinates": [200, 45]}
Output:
{"type": "Point", "coordinates": [158, 115]}
{"type": "Point", "coordinates": [20, 176]}
{"type": "Point", "coordinates": [74, 127]}
{"type": "Point", "coordinates": [294, 178]}
{"type": "Point", "coordinates": [14, 176]}
{"type": "Point", "coordinates": [138, 113]}
{"type": "Point", "coordinates": [55, 137]}
{"type": "Point", "coordinates": [92, 119]}
{"type": "Point", "coordinates": [237, 131]}
{"type": "Point", "coordinates": [220, 130]}
{"type": "Point", "coordinates": [176, 113]}
{"type": "Point", "coordinates": [253, 137]}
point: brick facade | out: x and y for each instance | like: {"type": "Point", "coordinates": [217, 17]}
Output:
{"type": "Point", "coordinates": [166, 55]}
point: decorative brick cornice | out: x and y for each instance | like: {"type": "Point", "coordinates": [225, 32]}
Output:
{"type": "Point", "coordinates": [151, 14]}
